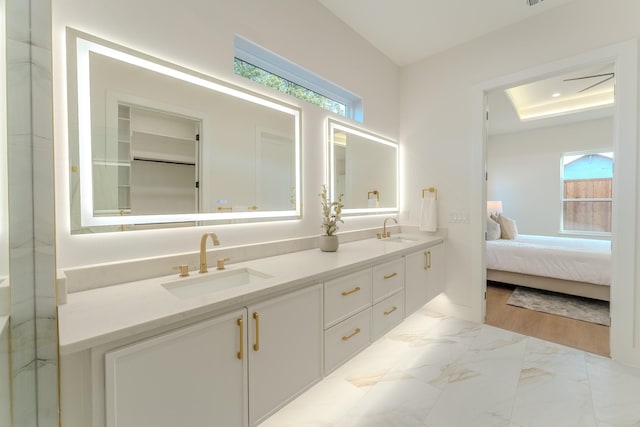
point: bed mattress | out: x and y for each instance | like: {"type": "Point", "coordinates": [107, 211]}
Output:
{"type": "Point", "coordinates": [581, 260]}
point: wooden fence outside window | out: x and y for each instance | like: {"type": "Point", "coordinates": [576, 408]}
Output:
{"type": "Point", "coordinates": [587, 205]}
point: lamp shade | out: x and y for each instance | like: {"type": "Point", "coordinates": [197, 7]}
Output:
{"type": "Point", "coordinates": [494, 207]}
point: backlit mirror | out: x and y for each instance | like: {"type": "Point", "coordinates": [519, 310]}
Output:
{"type": "Point", "coordinates": [364, 168]}
{"type": "Point", "coordinates": [153, 144]}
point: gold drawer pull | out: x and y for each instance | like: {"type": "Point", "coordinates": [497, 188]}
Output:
{"type": "Point", "coordinates": [389, 276]}
{"type": "Point", "coordinates": [241, 352]}
{"type": "Point", "coordinates": [256, 345]}
{"type": "Point", "coordinates": [386, 313]}
{"type": "Point", "coordinates": [352, 291]}
{"type": "Point", "coordinates": [348, 337]}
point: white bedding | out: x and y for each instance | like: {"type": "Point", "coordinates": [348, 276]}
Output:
{"type": "Point", "coordinates": [582, 260]}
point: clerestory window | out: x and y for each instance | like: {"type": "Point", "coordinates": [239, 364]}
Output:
{"type": "Point", "coordinates": [260, 65]}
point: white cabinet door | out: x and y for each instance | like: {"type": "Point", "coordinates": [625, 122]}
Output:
{"type": "Point", "coordinates": [194, 376]}
{"type": "Point", "coordinates": [285, 350]}
{"type": "Point", "coordinates": [436, 279]}
{"type": "Point", "coordinates": [423, 277]}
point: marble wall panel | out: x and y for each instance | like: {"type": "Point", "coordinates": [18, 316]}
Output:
{"type": "Point", "coordinates": [31, 214]}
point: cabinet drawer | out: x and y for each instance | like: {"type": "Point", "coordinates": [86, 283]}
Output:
{"type": "Point", "coordinates": [388, 278]}
{"type": "Point", "coordinates": [346, 339]}
{"type": "Point", "coordinates": [386, 314]}
{"type": "Point", "coordinates": [346, 296]}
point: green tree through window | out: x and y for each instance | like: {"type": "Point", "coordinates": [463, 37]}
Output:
{"type": "Point", "coordinates": [250, 71]}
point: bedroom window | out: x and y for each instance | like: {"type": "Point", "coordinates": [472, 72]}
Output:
{"type": "Point", "coordinates": [258, 64]}
{"type": "Point", "coordinates": [587, 192]}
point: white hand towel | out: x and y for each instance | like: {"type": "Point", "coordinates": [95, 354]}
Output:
{"type": "Point", "coordinates": [429, 214]}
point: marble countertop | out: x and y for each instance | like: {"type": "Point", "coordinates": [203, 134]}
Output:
{"type": "Point", "coordinates": [102, 315]}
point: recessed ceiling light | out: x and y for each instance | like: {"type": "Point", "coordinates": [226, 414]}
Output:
{"type": "Point", "coordinates": [555, 95]}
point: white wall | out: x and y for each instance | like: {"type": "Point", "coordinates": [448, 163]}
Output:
{"type": "Point", "coordinates": [199, 35]}
{"type": "Point", "coordinates": [524, 170]}
{"type": "Point", "coordinates": [4, 220]}
{"type": "Point", "coordinates": [441, 144]}
{"type": "Point", "coordinates": [5, 374]}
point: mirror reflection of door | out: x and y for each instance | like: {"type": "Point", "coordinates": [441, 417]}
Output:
{"type": "Point", "coordinates": [159, 162]}
{"type": "Point", "coordinates": [340, 165]}
{"type": "Point", "coordinates": [274, 171]}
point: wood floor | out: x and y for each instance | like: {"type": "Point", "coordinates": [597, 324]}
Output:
{"type": "Point", "coordinates": [562, 330]}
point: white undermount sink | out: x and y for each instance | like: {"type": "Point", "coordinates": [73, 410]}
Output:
{"type": "Point", "coordinates": [214, 281]}
{"type": "Point", "coordinates": [398, 239]}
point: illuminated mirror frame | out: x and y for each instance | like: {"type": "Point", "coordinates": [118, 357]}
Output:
{"type": "Point", "coordinates": [333, 126]}
{"type": "Point", "coordinates": [85, 44]}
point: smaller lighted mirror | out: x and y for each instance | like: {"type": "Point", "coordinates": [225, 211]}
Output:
{"type": "Point", "coordinates": [364, 168]}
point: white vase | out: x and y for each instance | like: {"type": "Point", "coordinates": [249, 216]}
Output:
{"type": "Point", "coordinates": [328, 243]}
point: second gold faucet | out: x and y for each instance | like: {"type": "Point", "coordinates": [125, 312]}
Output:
{"type": "Point", "coordinates": [203, 249]}
{"type": "Point", "coordinates": [386, 233]}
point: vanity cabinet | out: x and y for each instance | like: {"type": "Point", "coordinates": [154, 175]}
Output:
{"type": "Point", "coordinates": [424, 277]}
{"type": "Point", "coordinates": [237, 363]}
{"type": "Point", "coordinates": [190, 376]}
{"type": "Point", "coordinates": [285, 350]}
{"type": "Point", "coordinates": [234, 369]}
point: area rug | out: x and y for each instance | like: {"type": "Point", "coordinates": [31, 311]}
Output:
{"type": "Point", "coordinates": [579, 308]}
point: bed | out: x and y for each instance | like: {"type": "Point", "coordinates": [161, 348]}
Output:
{"type": "Point", "coordinates": [568, 265]}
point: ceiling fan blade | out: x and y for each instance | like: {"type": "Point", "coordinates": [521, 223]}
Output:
{"type": "Point", "coordinates": [596, 84]}
{"type": "Point", "coordinates": [610, 75]}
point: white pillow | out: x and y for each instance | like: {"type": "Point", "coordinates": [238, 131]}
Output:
{"type": "Point", "coordinates": [508, 227]}
{"type": "Point", "coordinates": [493, 230]}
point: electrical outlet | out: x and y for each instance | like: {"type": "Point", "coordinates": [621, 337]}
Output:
{"type": "Point", "coordinates": [458, 218]}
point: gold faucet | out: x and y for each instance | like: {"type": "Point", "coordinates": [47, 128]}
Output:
{"type": "Point", "coordinates": [386, 233]}
{"type": "Point", "coordinates": [203, 249]}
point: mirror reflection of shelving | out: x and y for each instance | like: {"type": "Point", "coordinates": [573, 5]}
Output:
{"type": "Point", "coordinates": [124, 159]}
{"type": "Point", "coordinates": [111, 167]}
{"type": "Point", "coordinates": [161, 149]}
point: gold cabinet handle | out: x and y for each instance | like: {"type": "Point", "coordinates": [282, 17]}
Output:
{"type": "Point", "coordinates": [386, 313]}
{"type": "Point", "coordinates": [240, 326]}
{"type": "Point", "coordinates": [389, 276]}
{"type": "Point", "coordinates": [348, 337]}
{"type": "Point", "coordinates": [352, 291]}
{"type": "Point", "coordinates": [256, 345]}
{"type": "Point", "coordinates": [427, 260]}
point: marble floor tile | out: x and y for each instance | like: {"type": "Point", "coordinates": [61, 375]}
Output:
{"type": "Point", "coordinates": [616, 392]}
{"type": "Point", "coordinates": [438, 371]}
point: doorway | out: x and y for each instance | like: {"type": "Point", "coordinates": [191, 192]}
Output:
{"type": "Point", "coordinates": [549, 162]}
{"type": "Point", "coordinates": [624, 334]}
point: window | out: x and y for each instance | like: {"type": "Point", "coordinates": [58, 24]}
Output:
{"type": "Point", "coordinates": [257, 64]}
{"type": "Point", "coordinates": [587, 180]}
